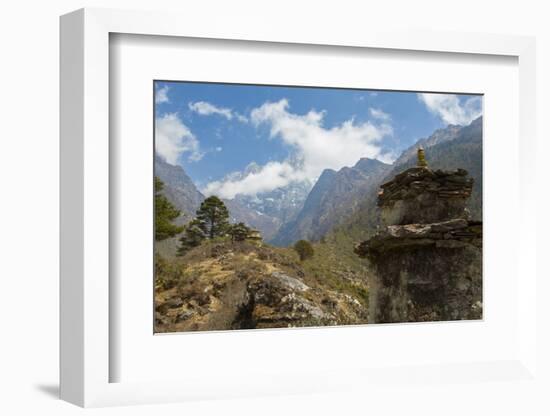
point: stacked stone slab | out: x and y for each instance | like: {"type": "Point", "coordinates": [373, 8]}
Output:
{"type": "Point", "coordinates": [420, 195]}
{"type": "Point", "coordinates": [427, 257]}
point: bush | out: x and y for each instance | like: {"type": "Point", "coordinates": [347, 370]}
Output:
{"type": "Point", "coordinates": [238, 232]}
{"type": "Point", "coordinates": [192, 237]}
{"type": "Point", "coordinates": [304, 249]}
{"type": "Point", "coordinates": [167, 274]}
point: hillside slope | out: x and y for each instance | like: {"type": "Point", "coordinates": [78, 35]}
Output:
{"type": "Point", "coordinates": [222, 285]}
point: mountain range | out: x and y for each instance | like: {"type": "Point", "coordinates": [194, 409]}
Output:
{"type": "Point", "coordinates": [265, 212]}
{"type": "Point", "coordinates": [339, 200]}
{"type": "Point", "coordinates": [335, 196]}
{"type": "Point", "coordinates": [452, 148]}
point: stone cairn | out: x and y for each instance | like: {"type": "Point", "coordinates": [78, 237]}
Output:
{"type": "Point", "coordinates": [427, 257]}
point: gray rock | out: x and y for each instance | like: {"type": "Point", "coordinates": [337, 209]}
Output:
{"type": "Point", "coordinates": [290, 282]}
{"type": "Point", "coordinates": [184, 316]}
{"type": "Point", "coordinates": [173, 303]}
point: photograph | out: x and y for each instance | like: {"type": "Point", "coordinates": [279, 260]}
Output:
{"type": "Point", "coordinates": [302, 206]}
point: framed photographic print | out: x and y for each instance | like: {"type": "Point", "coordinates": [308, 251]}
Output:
{"type": "Point", "coordinates": [290, 213]}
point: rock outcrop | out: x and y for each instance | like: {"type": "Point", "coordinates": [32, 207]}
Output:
{"type": "Point", "coordinates": [427, 257]}
{"type": "Point", "coordinates": [242, 285]}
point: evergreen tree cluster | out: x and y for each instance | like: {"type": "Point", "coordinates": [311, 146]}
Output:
{"type": "Point", "coordinates": [212, 221]}
{"type": "Point", "coordinates": [239, 231]}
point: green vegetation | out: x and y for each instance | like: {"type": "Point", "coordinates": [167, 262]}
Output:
{"type": "Point", "coordinates": [304, 249]}
{"type": "Point", "coordinates": [165, 213]}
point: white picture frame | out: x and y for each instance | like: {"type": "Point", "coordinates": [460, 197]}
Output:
{"type": "Point", "coordinates": [85, 220]}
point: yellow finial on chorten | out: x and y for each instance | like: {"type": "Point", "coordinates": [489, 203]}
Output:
{"type": "Point", "coordinates": [421, 158]}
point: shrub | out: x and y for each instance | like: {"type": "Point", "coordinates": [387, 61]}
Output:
{"type": "Point", "coordinates": [167, 274]}
{"type": "Point", "coordinates": [238, 232]}
{"type": "Point", "coordinates": [304, 249]}
{"type": "Point", "coordinates": [192, 237]}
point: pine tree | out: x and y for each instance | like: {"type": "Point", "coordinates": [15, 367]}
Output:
{"type": "Point", "coordinates": [165, 213]}
{"type": "Point", "coordinates": [304, 249]}
{"type": "Point", "coordinates": [213, 217]}
{"type": "Point", "coordinates": [238, 232]}
{"type": "Point", "coordinates": [192, 237]}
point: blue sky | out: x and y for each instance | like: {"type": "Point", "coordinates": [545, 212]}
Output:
{"type": "Point", "coordinates": [287, 134]}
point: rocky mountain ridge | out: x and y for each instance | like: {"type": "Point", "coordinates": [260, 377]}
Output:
{"type": "Point", "coordinates": [349, 195]}
{"type": "Point", "coordinates": [282, 203]}
{"type": "Point", "coordinates": [338, 199]}
{"type": "Point", "coordinates": [179, 189]}
{"type": "Point", "coordinates": [334, 197]}
{"type": "Point", "coordinates": [452, 148]}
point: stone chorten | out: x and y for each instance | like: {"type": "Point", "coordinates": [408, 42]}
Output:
{"type": "Point", "coordinates": [427, 258]}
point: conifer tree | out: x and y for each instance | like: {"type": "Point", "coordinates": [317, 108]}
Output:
{"type": "Point", "coordinates": [213, 217]}
{"type": "Point", "coordinates": [165, 213]}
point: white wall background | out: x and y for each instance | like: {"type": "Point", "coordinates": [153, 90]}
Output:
{"type": "Point", "coordinates": [29, 80]}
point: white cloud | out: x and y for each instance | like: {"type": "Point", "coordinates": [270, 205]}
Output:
{"type": "Point", "coordinates": [205, 109]}
{"type": "Point", "coordinates": [219, 149]}
{"type": "Point", "coordinates": [173, 138]}
{"type": "Point", "coordinates": [314, 148]}
{"type": "Point", "coordinates": [241, 118]}
{"type": "Point", "coordinates": [270, 176]}
{"type": "Point", "coordinates": [449, 108]}
{"type": "Point", "coordinates": [161, 95]}
{"type": "Point", "coordinates": [379, 114]}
